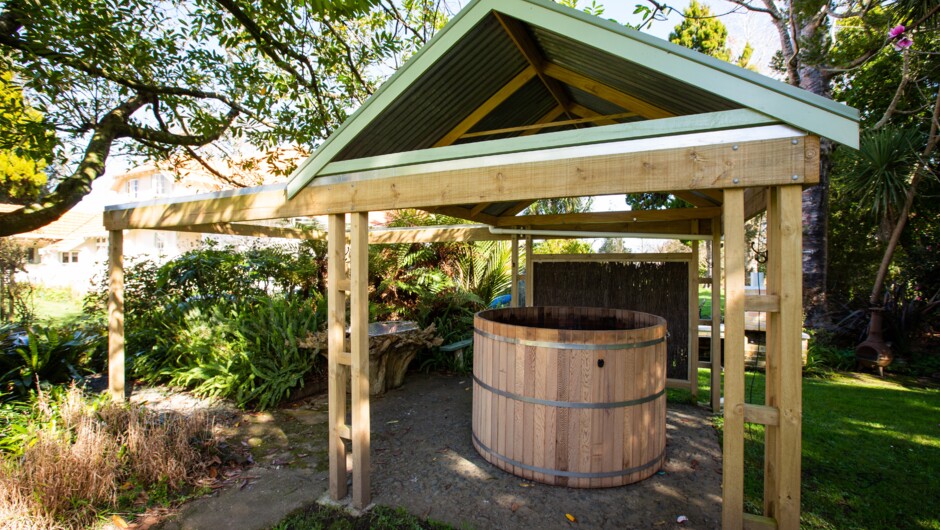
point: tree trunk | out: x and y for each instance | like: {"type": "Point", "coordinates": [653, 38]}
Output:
{"type": "Point", "coordinates": [816, 243]}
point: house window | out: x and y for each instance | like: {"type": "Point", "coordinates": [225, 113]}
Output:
{"type": "Point", "coordinates": [69, 257]}
{"type": "Point", "coordinates": [158, 182]}
{"type": "Point", "coordinates": [131, 187]}
{"type": "Point", "coordinates": [158, 243]}
{"type": "Point", "coordinates": [32, 255]}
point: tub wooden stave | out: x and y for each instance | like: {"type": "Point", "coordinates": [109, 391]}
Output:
{"type": "Point", "coordinates": [550, 414]}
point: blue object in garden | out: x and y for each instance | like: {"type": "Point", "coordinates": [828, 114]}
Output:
{"type": "Point", "coordinates": [501, 301]}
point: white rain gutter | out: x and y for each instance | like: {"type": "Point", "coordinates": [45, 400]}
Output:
{"type": "Point", "coordinates": [547, 234]}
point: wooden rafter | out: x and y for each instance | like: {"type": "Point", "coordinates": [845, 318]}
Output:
{"type": "Point", "coordinates": [494, 101]}
{"type": "Point", "coordinates": [696, 199]}
{"type": "Point", "coordinates": [593, 87]}
{"type": "Point", "coordinates": [638, 216]}
{"type": "Point", "coordinates": [516, 208]}
{"type": "Point", "coordinates": [652, 227]}
{"type": "Point", "coordinates": [611, 118]}
{"type": "Point", "coordinates": [520, 37]}
{"type": "Point", "coordinates": [463, 213]}
{"type": "Point", "coordinates": [585, 112]}
{"type": "Point", "coordinates": [549, 116]}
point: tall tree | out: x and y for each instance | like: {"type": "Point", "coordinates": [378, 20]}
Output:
{"type": "Point", "coordinates": [806, 58]}
{"type": "Point", "coordinates": [187, 80]}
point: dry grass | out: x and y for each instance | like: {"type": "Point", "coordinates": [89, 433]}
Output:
{"type": "Point", "coordinates": [83, 454]}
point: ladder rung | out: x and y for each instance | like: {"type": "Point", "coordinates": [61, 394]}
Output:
{"type": "Point", "coordinates": [761, 414]}
{"type": "Point", "coordinates": [344, 432]}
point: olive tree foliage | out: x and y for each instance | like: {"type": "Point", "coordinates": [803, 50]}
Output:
{"type": "Point", "coordinates": [195, 81]}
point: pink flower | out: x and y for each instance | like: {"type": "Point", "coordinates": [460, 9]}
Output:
{"type": "Point", "coordinates": [896, 31]}
{"type": "Point", "coordinates": [903, 44]}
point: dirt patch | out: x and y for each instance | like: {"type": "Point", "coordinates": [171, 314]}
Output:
{"type": "Point", "coordinates": [423, 460]}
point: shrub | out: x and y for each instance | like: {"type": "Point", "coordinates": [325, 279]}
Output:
{"type": "Point", "coordinates": [451, 311]}
{"type": "Point", "coordinates": [69, 456]}
{"type": "Point", "coordinates": [252, 353]}
{"type": "Point", "coordinates": [44, 355]}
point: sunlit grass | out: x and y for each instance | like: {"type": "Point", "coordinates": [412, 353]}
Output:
{"type": "Point", "coordinates": [871, 451]}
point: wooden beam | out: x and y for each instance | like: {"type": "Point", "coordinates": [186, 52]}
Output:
{"type": "Point", "coordinates": [461, 212]}
{"type": "Point", "coordinates": [716, 317]}
{"type": "Point", "coordinates": [529, 266]}
{"type": "Point", "coordinates": [527, 47]}
{"type": "Point", "coordinates": [678, 383]}
{"type": "Point", "coordinates": [761, 414]}
{"type": "Point", "coordinates": [337, 373]}
{"type": "Point", "coordinates": [549, 116]}
{"type": "Point", "coordinates": [116, 314]}
{"type": "Point", "coordinates": [771, 355]}
{"type": "Point", "coordinates": [634, 216]}
{"type": "Point", "coordinates": [251, 230]}
{"type": "Point", "coordinates": [584, 112]}
{"type": "Point", "coordinates": [627, 257]}
{"type": "Point", "coordinates": [494, 101]}
{"type": "Point", "coordinates": [652, 227]}
{"type": "Point", "coordinates": [758, 163]}
{"type": "Point", "coordinates": [785, 392]}
{"type": "Point", "coordinates": [764, 303]}
{"type": "Point", "coordinates": [758, 522]}
{"type": "Point", "coordinates": [696, 199]}
{"type": "Point", "coordinates": [693, 320]}
{"type": "Point", "coordinates": [595, 88]}
{"type": "Point", "coordinates": [514, 257]}
{"type": "Point", "coordinates": [515, 209]}
{"type": "Point", "coordinates": [387, 236]}
{"type": "Point", "coordinates": [755, 202]}
{"type": "Point", "coordinates": [592, 119]}
{"type": "Point", "coordinates": [732, 484]}
{"type": "Point", "coordinates": [359, 333]}
{"type": "Point", "coordinates": [478, 209]}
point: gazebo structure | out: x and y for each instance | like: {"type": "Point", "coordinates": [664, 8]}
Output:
{"type": "Point", "coordinates": [519, 100]}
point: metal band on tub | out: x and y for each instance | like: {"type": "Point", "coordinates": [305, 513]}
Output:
{"type": "Point", "coordinates": [569, 345]}
{"type": "Point", "coordinates": [569, 404]}
{"type": "Point", "coordinates": [571, 474]}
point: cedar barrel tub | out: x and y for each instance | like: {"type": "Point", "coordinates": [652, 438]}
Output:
{"type": "Point", "coordinates": [570, 396]}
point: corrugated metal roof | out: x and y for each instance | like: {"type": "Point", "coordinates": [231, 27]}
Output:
{"type": "Point", "coordinates": [442, 97]}
{"type": "Point", "coordinates": [525, 107]}
{"type": "Point", "coordinates": [472, 58]}
{"type": "Point", "coordinates": [643, 83]}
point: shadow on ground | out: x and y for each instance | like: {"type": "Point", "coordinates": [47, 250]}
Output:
{"type": "Point", "coordinates": [423, 460]}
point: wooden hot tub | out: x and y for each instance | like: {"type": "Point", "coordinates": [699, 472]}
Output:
{"type": "Point", "coordinates": [571, 396]}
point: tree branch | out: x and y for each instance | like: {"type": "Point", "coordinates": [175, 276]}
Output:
{"type": "Point", "coordinates": [74, 187]}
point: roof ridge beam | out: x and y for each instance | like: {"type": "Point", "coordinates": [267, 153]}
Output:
{"type": "Point", "coordinates": [494, 101]}
{"type": "Point", "coordinates": [607, 93]}
{"type": "Point", "coordinates": [533, 55]}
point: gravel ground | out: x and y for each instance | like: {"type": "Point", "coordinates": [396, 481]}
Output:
{"type": "Point", "coordinates": [424, 461]}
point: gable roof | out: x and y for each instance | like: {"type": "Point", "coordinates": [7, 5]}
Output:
{"type": "Point", "coordinates": [510, 63]}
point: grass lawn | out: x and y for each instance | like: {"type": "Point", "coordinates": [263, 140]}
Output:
{"type": "Point", "coordinates": [705, 302]}
{"type": "Point", "coordinates": [56, 305]}
{"type": "Point", "coordinates": [871, 451]}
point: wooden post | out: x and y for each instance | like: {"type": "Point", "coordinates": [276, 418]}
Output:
{"type": "Point", "coordinates": [784, 367]}
{"type": "Point", "coordinates": [514, 289]}
{"type": "Point", "coordinates": [529, 273]}
{"type": "Point", "coordinates": [716, 315]}
{"type": "Point", "coordinates": [338, 372]}
{"type": "Point", "coordinates": [359, 279]}
{"type": "Point", "coordinates": [116, 314]}
{"type": "Point", "coordinates": [732, 486]}
{"type": "Point", "coordinates": [693, 317]}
